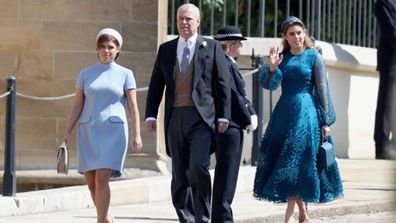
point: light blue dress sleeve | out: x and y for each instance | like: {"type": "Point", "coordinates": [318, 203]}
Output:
{"type": "Point", "coordinates": [270, 80]}
{"type": "Point", "coordinates": [130, 82]}
{"type": "Point", "coordinates": [80, 81]}
{"type": "Point", "coordinates": [323, 100]}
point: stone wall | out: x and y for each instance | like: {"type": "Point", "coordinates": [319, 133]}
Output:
{"type": "Point", "coordinates": [45, 43]}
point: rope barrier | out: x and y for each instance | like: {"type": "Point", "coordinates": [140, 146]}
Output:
{"type": "Point", "coordinates": [73, 94]}
{"type": "Point", "coordinates": [142, 89]}
{"type": "Point", "coordinates": [5, 94]}
{"type": "Point", "coordinates": [57, 98]}
{"type": "Point", "coordinates": [44, 98]}
{"type": "Point", "coordinates": [251, 72]}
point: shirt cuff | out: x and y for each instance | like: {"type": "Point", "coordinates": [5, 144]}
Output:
{"type": "Point", "coordinates": [223, 120]}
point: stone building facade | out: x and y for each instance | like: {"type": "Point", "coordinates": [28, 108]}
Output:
{"type": "Point", "coordinates": [45, 43]}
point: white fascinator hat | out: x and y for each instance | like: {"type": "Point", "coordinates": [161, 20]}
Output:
{"type": "Point", "coordinates": [111, 32]}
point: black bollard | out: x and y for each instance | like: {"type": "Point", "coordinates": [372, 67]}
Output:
{"type": "Point", "coordinates": [9, 178]}
{"type": "Point", "coordinates": [258, 106]}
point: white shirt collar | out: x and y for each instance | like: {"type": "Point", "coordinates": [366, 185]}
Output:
{"type": "Point", "coordinates": [232, 59]}
{"type": "Point", "coordinates": [191, 41]}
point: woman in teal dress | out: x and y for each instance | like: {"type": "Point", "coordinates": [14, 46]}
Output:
{"type": "Point", "coordinates": [286, 169]}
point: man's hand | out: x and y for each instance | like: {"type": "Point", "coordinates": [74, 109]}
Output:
{"type": "Point", "coordinates": [253, 125]}
{"type": "Point", "coordinates": [222, 127]}
{"type": "Point", "coordinates": [151, 125]}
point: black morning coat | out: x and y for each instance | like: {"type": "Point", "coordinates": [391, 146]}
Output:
{"type": "Point", "coordinates": [211, 92]}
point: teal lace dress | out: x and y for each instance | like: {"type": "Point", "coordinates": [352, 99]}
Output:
{"type": "Point", "coordinates": [286, 167]}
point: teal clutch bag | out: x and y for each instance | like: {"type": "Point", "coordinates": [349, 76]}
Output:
{"type": "Point", "coordinates": [326, 154]}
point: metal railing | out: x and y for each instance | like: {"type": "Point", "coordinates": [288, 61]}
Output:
{"type": "Point", "coordinates": [9, 177]}
{"type": "Point", "coordinates": [349, 22]}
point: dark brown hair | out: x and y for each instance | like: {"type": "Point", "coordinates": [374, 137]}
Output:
{"type": "Point", "coordinates": [105, 37]}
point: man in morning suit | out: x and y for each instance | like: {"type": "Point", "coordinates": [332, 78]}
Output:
{"type": "Point", "coordinates": [230, 143]}
{"type": "Point", "coordinates": [197, 99]}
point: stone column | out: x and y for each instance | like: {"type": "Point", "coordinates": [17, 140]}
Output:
{"type": "Point", "coordinates": [154, 144]}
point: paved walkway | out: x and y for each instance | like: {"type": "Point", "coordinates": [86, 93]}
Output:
{"type": "Point", "coordinates": [369, 187]}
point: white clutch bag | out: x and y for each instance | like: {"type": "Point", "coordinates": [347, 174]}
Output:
{"type": "Point", "coordinates": [62, 159]}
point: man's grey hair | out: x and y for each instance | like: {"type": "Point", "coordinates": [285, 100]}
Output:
{"type": "Point", "coordinates": [188, 6]}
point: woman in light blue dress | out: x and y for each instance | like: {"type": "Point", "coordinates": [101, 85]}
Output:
{"type": "Point", "coordinates": [103, 90]}
{"type": "Point", "coordinates": [287, 169]}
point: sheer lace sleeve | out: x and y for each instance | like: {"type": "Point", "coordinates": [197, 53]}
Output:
{"type": "Point", "coordinates": [323, 101]}
{"type": "Point", "coordinates": [269, 80]}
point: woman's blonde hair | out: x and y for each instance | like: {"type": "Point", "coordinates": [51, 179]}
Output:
{"type": "Point", "coordinates": [308, 43]}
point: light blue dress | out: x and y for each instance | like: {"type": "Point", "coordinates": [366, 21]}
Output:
{"type": "Point", "coordinates": [102, 136]}
{"type": "Point", "coordinates": [286, 165]}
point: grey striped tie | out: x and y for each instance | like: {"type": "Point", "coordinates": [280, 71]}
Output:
{"type": "Point", "coordinates": [185, 60]}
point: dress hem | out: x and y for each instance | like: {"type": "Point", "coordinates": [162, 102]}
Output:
{"type": "Point", "coordinates": [279, 200]}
